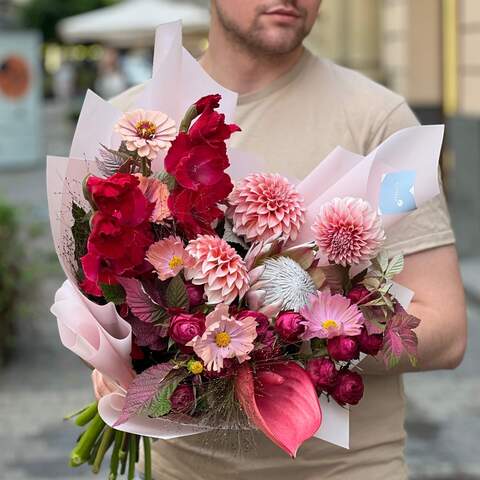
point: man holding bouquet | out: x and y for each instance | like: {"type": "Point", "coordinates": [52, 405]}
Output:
{"type": "Point", "coordinates": [294, 108]}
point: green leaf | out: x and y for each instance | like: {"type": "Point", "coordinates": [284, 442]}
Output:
{"type": "Point", "coordinates": [372, 283]}
{"type": "Point", "coordinates": [394, 267]}
{"type": "Point", "coordinates": [167, 179]}
{"type": "Point", "coordinates": [80, 230]}
{"type": "Point", "coordinates": [113, 293]}
{"type": "Point", "coordinates": [161, 404]}
{"type": "Point", "coordinates": [176, 294]}
{"type": "Point", "coordinates": [231, 237]}
{"type": "Point", "coordinates": [382, 261]}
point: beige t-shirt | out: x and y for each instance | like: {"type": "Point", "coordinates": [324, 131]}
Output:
{"type": "Point", "coordinates": [293, 124]}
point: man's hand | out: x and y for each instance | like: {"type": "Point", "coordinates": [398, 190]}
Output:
{"type": "Point", "coordinates": [439, 303]}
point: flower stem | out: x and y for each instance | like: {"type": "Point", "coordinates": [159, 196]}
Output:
{"type": "Point", "coordinates": [105, 444]}
{"type": "Point", "coordinates": [147, 450]}
{"type": "Point", "coordinates": [132, 458]}
{"type": "Point", "coordinates": [123, 455]}
{"type": "Point", "coordinates": [87, 414]}
{"type": "Point", "coordinates": [81, 452]}
{"type": "Point", "coordinates": [190, 115]}
{"type": "Point", "coordinates": [114, 461]}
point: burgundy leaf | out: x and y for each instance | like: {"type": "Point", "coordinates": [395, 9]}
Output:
{"type": "Point", "coordinates": [142, 391]}
{"type": "Point", "coordinates": [148, 334]}
{"type": "Point", "coordinates": [140, 303]}
{"type": "Point", "coordinates": [399, 338]}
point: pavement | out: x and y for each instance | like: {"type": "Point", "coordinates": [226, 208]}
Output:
{"type": "Point", "coordinates": [44, 381]}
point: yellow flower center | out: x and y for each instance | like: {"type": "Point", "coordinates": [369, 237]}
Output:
{"type": "Point", "coordinates": [329, 324]}
{"type": "Point", "coordinates": [222, 339]}
{"type": "Point", "coordinates": [145, 129]}
{"type": "Point", "coordinates": [195, 366]}
{"type": "Point", "coordinates": [175, 262]}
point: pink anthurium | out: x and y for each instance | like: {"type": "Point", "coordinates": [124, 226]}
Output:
{"type": "Point", "coordinates": [280, 400]}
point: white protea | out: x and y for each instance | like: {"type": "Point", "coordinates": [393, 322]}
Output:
{"type": "Point", "coordinates": [279, 284]}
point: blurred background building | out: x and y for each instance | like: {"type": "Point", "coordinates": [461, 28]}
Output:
{"type": "Point", "coordinates": [51, 51]}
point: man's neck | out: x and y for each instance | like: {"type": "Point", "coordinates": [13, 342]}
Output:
{"type": "Point", "coordinates": [237, 69]}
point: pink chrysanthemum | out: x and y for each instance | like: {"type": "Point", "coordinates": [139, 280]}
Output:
{"type": "Point", "coordinates": [328, 316]}
{"type": "Point", "coordinates": [265, 206]}
{"type": "Point", "coordinates": [168, 257]}
{"type": "Point", "coordinates": [157, 193]}
{"type": "Point", "coordinates": [218, 267]}
{"type": "Point", "coordinates": [348, 231]}
{"type": "Point", "coordinates": [224, 337]}
{"type": "Point", "coordinates": [146, 132]}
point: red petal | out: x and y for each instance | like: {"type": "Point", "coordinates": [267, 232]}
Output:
{"type": "Point", "coordinates": [281, 401]}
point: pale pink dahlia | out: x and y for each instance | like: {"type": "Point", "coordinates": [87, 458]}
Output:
{"type": "Point", "coordinates": [263, 206]}
{"type": "Point", "coordinates": [348, 231]}
{"type": "Point", "coordinates": [157, 193]}
{"type": "Point", "coordinates": [224, 337]}
{"type": "Point", "coordinates": [146, 132]}
{"type": "Point", "coordinates": [328, 316]}
{"type": "Point", "coordinates": [218, 267]}
{"type": "Point", "coordinates": [168, 257]}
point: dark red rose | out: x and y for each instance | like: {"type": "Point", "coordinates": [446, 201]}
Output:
{"type": "Point", "coordinates": [289, 326]}
{"type": "Point", "coordinates": [182, 399]}
{"type": "Point", "coordinates": [136, 352]}
{"type": "Point", "coordinates": [185, 326]}
{"type": "Point", "coordinates": [260, 318]}
{"type": "Point", "coordinates": [210, 128]}
{"type": "Point", "coordinates": [209, 102]}
{"type": "Point", "coordinates": [195, 294]}
{"type": "Point", "coordinates": [370, 344]}
{"type": "Point", "coordinates": [196, 211]}
{"type": "Point", "coordinates": [323, 373]}
{"type": "Point", "coordinates": [120, 197]}
{"type": "Point", "coordinates": [349, 388]}
{"type": "Point", "coordinates": [268, 347]}
{"type": "Point", "coordinates": [343, 348]}
{"type": "Point", "coordinates": [357, 293]}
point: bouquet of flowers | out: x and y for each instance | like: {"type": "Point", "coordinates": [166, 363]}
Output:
{"type": "Point", "coordinates": [206, 303]}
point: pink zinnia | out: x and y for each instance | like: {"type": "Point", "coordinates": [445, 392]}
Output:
{"type": "Point", "coordinates": [328, 316]}
{"type": "Point", "coordinates": [218, 267]}
{"type": "Point", "coordinates": [224, 337]}
{"type": "Point", "coordinates": [266, 206]}
{"type": "Point", "coordinates": [348, 231]}
{"type": "Point", "coordinates": [168, 257]}
{"type": "Point", "coordinates": [156, 193]}
{"type": "Point", "coordinates": [146, 132]}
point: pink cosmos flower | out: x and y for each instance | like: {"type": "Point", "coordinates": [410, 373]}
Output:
{"type": "Point", "coordinates": [224, 337]}
{"type": "Point", "coordinates": [218, 267]}
{"type": "Point", "coordinates": [157, 193]}
{"type": "Point", "coordinates": [146, 132]}
{"type": "Point", "coordinates": [328, 316]}
{"type": "Point", "coordinates": [265, 206]}
{"type": "Point", "coordinates": [348, 231]}
{"type": "Point", "coordinates": [168, 257]}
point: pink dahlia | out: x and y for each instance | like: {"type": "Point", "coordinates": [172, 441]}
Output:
{"type": "Point", "coordinates": [168, 257]}
{"type": "Point", "coordinates": [328, 316]}
{"type": "Point", "coordinates": [224, 337]}
{"type": "Point", "coordinates": [265, 206]}
{"type": "Point", "coordinates": [218, 267]}
{"type": "Point", "coordinates": [146, 132]}
{"type": "Point", "coordinates": [157, 193]}
{"type": "Point", "coordinates": [348, 231]}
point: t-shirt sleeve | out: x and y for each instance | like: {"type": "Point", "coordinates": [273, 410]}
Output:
{"type": "Point", "coordinates": [428, 226]}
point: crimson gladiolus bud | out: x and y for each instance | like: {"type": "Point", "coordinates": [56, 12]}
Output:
{"type": "Point", "coordinates": [343, 348]}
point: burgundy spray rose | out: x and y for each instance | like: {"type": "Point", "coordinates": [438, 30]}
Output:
{"type": "Point", "coordinates": [261, 319]}
{"type": "Point", "coordinates": [357, 293]}
{"type": "Point", "coordinates": [182, 399]}
{"type": "Point", "coordinates": [343, 348]}
{"type": "Point", "coordinates": [349, 388]}
{"type": "Point", "coordinates": [195, 294]}
{"type": "Point", "coordinates": [323, 373]}
{"type": "Point", "coordinates": [370, 344]}
{"type": "Point", "coordinates": [185, 326]}
{"type": "Point", "coordinates": [289, 326]}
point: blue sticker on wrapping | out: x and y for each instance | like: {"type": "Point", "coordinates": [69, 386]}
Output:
{"type": "Point", "coordinates": [397, 194]}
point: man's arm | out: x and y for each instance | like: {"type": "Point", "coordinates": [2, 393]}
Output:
{"type": "Point", "coordinates": [439, 303]}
